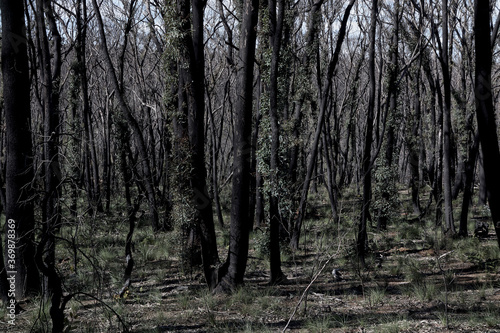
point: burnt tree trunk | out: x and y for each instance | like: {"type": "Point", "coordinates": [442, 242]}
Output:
{"type": "Point", "coordinates": [50, 73]}
{"type": "Point", "coordinates": [196, 124]}
{"type": "Point", "coordinates": [470, 165]}
{"type": "Point", "coordinates": [392, 107]}
{"type": "Point", "coordinates": [234, 268]}
{"type": "Point", "coordinates": [367, 160]}
{"type": "Point", "coordinates": [484, 109]}
{"type": "Point", "coordinates": [449, 225]}
{"type": "Point", "coordinates": [19, 151]}
{"type": "Point", "coordinates": [276, 31]}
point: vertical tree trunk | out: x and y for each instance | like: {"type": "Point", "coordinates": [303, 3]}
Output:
{"type": "Point", "coordinates": [484, 109]}
{"type": "Point", "coordinates": [215, 173]}
{"type": "Point", "coordinates": [276, 31]}
{"type": "Point", "coordinates": [415, 149]}
{"type": "Point", "coordinates": [449, 225]}
{"type": "Point", "coordinates": [239, 231]}
{"type": "Point", "coordinates": [89, 157]}
{"type": "Point", "coordinates": [131, 215]}
{"type": "Point", "coordinates": [19, 154]}
{"type": "Point", "coordinates": [126, 165]}
{"type": "Point", "coordinates": [461, 98]}
{"type": "Point", "coordinates": [438, 152]}
{"type": "Point", "coordinates": [470, 164]}
{"type": "Point", "coordinates": [367, 160]}
{"type": "Point", "coordinates": [204, 218]}
{"type": "Point", "coordinates": [415, 145]}
{"type": "Point", "coordinates": [50, 75]}
{"type": "Point", "coordinates": [255, 217]}
{"type": "Point", "coordinates": [259, 200]}
{"type": "Point", "coordinates": [331, 181]}
{"type": "Point", "coordinates": [192, 105]}
{"type": "Point", "coordinates": [483, 190]}
{"type": "Point", "coordinates": [58, 302]}
{"type": "Point", "coordinates": [107, 160]}
{"type": "Point", "coordinates": [392, 105]}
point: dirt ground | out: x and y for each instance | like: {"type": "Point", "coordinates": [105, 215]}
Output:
{"type": "Point", "coordinates": [407, 286]}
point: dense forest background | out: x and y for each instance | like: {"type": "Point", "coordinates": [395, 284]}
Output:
{"type": "Point", "coordinates": [179, 147]}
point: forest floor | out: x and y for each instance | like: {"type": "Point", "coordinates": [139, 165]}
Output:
{"type": "Point", "coordinates": [414, 282]}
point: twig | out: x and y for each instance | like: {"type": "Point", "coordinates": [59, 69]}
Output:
{"type": "Point", "coordinates": [445, 287]}
{"type": "Point", "coordinates": [306, 291]}
{"type": "Point", "coordinates": [444, 255]}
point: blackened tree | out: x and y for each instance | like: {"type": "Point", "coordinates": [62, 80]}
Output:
{"type": "Point", "coordinates": [276, 19]}
{"type": "Point", "coordinates": [50, 74]}
{"type": "Point", "coordinates": [484, 108]}
{"type": "Point", "coordinates": [449, 226]}
{"type": "Point", "coordinates": [19, 154]}
{"type": "Point", "coordinates": [192, 89]}
{"type": "Point", "coordinates": [232, 274]}
{"type": "Point", "coordinates": [367, 157]}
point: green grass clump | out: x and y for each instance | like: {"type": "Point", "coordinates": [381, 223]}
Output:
{"type": "Point", "coordinates": [375, 296]}
{"type": "Point", "coordinates": [321, 324]}
{"type": "Point", "coordinates": [424, 292]}
{"type": "Point", "coordinates": [393, 326]}
{"type": "Point", "coordinates": [411, 231]}
{"type": "Point", "coordinates": [242, 296]}
{"type": "Point", "coordinates": [413, 271]}
{"type": "Point", "coordinates": [485, 256]}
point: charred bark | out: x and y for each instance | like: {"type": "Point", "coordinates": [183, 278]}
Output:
{"type": "Point", "coordinates": [18, 149]}
{"type": "Point", "coordinates": [484, 109]}
{"type": "Point", "coordinates": [362, 237]}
